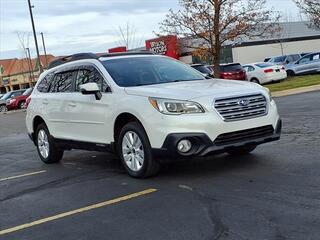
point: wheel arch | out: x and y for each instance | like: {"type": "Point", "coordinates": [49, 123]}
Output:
{"type": "Point", "coordinates": [123, 119]}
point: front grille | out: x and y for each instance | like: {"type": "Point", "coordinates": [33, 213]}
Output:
{"type": "Point", "coordinates": [244, 135]}
{"type": "Point", "coordinates": [244, 107]}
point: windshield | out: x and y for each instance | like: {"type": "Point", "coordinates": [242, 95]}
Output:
{"type": "Point", "coordinates": [202, 69]}
{"type": "Point", "coordinates": [6, 96]}
{"type": "Point", "coordinates": [139, 71]}
{"type": "Point", "coordinates": [278, 59]}
{"type": "Point", "coordinates": [27, 92]}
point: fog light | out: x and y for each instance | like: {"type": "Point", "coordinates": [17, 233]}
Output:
{"type": "Point", "coordinates": [184, 146]}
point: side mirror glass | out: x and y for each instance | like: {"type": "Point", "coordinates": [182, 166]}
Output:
{"type": "Point", "coordinates": [91, 89]}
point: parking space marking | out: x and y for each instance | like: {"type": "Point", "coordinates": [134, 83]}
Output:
{"type": "Point", "coordinates": [22, 175]}
{"type": "Point", "coordinates": [77, 211]}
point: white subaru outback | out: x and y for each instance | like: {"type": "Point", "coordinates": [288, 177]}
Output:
{"type": "Point", "coordinates": [144, 107]}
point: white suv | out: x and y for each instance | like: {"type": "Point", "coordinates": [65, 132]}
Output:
{"type": "Point", "coordinates": [145, 107]}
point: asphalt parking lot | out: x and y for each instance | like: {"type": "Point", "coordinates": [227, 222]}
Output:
{"type": "Point", "coordinates": [273, 193]}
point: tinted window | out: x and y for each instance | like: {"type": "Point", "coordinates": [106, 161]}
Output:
{"type": "Point", "coordinates": [62, 82]}
{"type": "Point", "coordinates": [90, 75]}
{"type": "Point", "coordinates": [296, 57]}
{"type": "Point", "coordinates": [231, 68]}
{"type": "Point", "coordinates": [264, 65]}
{"type": "Point", "coordinates": [16, 94]}
{"type": "Point", "coordinates": [137, 71]}
{"type": "Point", "coordinates": [44, 85]}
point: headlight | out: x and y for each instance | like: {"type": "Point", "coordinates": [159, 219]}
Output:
{"type": "Point", "coordinates": [269, 94]}
{"type": "Point", "coordinates": [168, 106]}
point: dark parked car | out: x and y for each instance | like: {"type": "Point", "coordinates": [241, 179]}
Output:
{"type": "Point", "coordinates": [19, 101]}
{"type": "Point", "coordinates": [7, 97]}
{"type": "Point", "coordinates": [233, 71]}
{"type": "Point", "coordinates": [285, 59]}
{"type": "Point", "coordinates": [204, 69]}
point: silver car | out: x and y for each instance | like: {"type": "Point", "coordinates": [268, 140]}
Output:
{"type": "Point", "coordinates": [307, 64]}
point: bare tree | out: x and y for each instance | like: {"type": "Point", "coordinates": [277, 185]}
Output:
{"type": "Point", "coordinates": [215, 22]}
{"type": "Point", "coordinates": [311, 8]}
{"type": "Point", "coordinates": [128, 36]}
{"type": "Point", "coordinates": [24, 44]}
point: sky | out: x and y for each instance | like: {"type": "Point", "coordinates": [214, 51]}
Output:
{"type": "Point", "coordinates": [72, 26]}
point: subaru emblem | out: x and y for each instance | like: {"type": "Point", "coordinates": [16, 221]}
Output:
{"type": "Point", "coordinates": [243, 102]}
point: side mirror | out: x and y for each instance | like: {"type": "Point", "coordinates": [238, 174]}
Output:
{"type": "Point", "coordinates": [91, 88]}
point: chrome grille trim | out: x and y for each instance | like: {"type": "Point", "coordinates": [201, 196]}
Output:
{"type": "Point", "coordinates": [230, 108]}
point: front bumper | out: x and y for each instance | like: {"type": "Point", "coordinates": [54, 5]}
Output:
{"type": "Point", "coordinates": [203, 146]}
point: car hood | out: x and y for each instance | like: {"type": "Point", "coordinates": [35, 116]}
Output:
{"type": "Point", "coordinates": [2, 101]}
{"type": "Point", "coordinates": [188, 90]}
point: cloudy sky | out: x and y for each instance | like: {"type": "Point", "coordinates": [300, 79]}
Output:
{"type": "Point", "coordinates": [73, 26]}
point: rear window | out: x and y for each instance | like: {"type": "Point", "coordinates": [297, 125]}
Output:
{"type": "Point", "coordinates": [264, 65]}
{"type": "Point", "coordinates": [231, 68]}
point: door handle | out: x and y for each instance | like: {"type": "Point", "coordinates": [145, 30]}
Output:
{"type": "Point", "coordinates": [45, 101]}
{"type": "Point", "coordinates": [72, 104]}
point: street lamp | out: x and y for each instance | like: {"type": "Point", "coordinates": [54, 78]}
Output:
{"type": "Point", "coordinates": [34, 35]}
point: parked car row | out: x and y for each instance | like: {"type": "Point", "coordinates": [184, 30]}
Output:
{"type": "Point", "coordinates": [271, 70]}
{"type": "Point", "coordinates": [14, 99]}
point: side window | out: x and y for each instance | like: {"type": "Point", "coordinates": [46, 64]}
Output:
{"type": "Point", "coordinates": [251, 69]}
{"type": "Point", "coordinates": [289, 59]}
{"type": "Point", "coordinates": [296, 57]}
{"type": "Point", "coordinates": [44, 85]}
{"type": "Point", "coordinates": [62, 82]}
{"type": "Point", "coordinates": [89, 75]}
{"type": "Point", "coordinates": [304, 60]}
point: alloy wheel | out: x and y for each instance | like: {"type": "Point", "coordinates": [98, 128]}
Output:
{"type": "Point", "coordinates": [43, 143]}
{"type": "Point", "coordinates": [132, 151]}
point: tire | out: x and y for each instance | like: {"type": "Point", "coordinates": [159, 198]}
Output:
{"type": "Point", "coordinates": [241, 150]}
{"type": "Point", "coordinates": [47, 150]}
{"type": "Point", "coordinates": [21, 105]}
{"type": "Point", "coordinates": [290, 73]}
{"type": "Point", "coordinates": [254, 80]}
{"type": "Point", "coordinates": [3, 108]}
{"type": "Point", "coordinates": [135, 151]}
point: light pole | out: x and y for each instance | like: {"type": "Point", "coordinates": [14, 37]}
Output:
{"type": "Point", "coordinates": [34, 35]}
{"type": "Point", "coordinates": [44, 49]}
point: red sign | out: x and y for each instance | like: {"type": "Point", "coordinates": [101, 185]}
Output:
{"type": "Point", "coordinates": [167, 45]}
{"type": "Point", "coordinates": [117, 49]}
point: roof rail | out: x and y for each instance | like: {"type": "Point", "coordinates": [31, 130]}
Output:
{"type": "Point", "coordinates": [71, 58]}
{"type": "Point", "coordinates": [117, 54]}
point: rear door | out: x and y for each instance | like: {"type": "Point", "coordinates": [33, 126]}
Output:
{"type": "Point", "coordinates": [89, 117]}
{"type": "Point", "coordinates": [56, 103]}
{"type": "Point", "coordinates": [303, 65]}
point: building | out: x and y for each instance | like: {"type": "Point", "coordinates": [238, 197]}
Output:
{"type": "Point", "coordinates": [293, 38]}
{"type": "Point", "coordinates": [20, 73]}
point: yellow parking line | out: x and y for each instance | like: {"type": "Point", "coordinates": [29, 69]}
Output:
{"type": "Point", "coordinates": [76, 211]}
{"type": "Point", "coordinates": [23, 175]}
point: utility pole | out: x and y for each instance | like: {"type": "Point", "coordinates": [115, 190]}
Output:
{"type": "Point", "coordinates": [34, 35]}
{"type": "Point", "coordinates": [30, 64]}
{"type": "Point", "coordinates": [44, 49]}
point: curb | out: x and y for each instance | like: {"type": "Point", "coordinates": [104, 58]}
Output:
{"type": "Point", "coordinates": [296, 91]}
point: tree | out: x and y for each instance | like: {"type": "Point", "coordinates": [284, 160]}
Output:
{"type": "Point", "coordinates": [209, 24]}
{"type": "Point", "coordinates": [311, 8]}
{"type": "Point", "coordinates": [128, 36]}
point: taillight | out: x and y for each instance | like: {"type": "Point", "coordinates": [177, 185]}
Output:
{"type": "Point", "coordinates": [283, 68]}
{"type": "Point", "coordinates": [28, 100]}
{"type": "Point", "coordinates": [268, 70]}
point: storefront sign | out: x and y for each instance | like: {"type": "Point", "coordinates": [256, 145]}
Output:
{"type": "Point", "coordinates": [167, 45]}
{"type": "Point", "coordinates": [5, 81]}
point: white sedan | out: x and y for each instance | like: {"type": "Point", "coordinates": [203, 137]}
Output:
{"type": "Point", "coordinates": [265, 72]}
